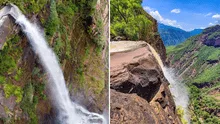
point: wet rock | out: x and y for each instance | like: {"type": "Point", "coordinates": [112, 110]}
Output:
{"type": "Point", "coordinates": [6, 28]}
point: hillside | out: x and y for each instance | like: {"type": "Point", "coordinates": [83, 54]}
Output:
{"type": "Point", "coordinates": [197, 62]}
{"type": "Point", "coordinates": [174, 36]}
{"type": "Point", "coordinates": [78, 36]}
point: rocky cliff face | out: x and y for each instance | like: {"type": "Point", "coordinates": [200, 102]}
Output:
{"type": "Point", "coordinates": [139, 90]}
{"type": "Point", "coordinates": [211, 36]}
{"type": "Point", "coordinates": [155, 41]}
{"type": "Point", "coordinates": [79, 39]}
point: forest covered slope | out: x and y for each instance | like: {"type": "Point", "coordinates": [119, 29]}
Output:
{"type": "Point", "coordinates": [197, 62]}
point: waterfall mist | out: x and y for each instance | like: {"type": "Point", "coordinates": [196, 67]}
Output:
{"type": "Point", "coordinates": [177, 88]}
{"type": "Point", "coordinates": [179, 91]}
{"type": "Point", "coordinates": [68, 111]}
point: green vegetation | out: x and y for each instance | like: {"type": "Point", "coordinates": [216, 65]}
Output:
{"type": "Point", "coordinates": [129, 21]}
{"type": "Point", "coordinates": [180, 113]}
{"type": "Point", "coordinates": [201, 104]}
{"type": "Point", "coordinates": [170, 49]}
{"type": "Point", "coordinates": [208, 75]}
{"type": "Point", "coordinates": [81, 75]}
{"type": "Point", "coordinates": [214, 35]}
{"type": "Point", "coordinates": [8, 55]}
{"type": "Point", "coordinates": [29, 102]}
{"type": "Point", "coordinates": [52, 23]}
{"type": "Point", "coordinates": [27, 6]}
{"type": "Point", "coordinates": [13, 90]}
{"type": "Point", "coordinates": [67, 28]}
{"type": "Point", "coordinates": [201, 77]}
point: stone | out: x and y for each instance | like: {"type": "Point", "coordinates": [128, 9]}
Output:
{"type": "Point", "coordinates": [139, 90]}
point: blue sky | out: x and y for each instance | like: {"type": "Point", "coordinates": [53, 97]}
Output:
{"type": "Point", "coordinates": [185, 14]}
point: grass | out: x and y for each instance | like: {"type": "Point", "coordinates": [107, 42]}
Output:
{"type": "Point", "coordinates": [170, 49]}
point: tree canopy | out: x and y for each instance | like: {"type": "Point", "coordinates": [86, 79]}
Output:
{"type": "Point", "coordinates": [128, 20]}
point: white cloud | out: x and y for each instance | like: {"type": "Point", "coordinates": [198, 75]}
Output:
{"type": "Point", "coordinates": [216, 16]}
{"type": "Point", "coordinates": [208, 14]}
{"type": "Point", "coordinates": [210, 24]}
{"type": "Point", "coordinates": [159, 18]}
{"type": "Point", "coordinates": [175, 11]}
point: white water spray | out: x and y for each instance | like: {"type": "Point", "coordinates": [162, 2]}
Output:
{"type": "Point", "coordinates": [177, 88]}
{"type": "Point", "coordinates": [69, 112]}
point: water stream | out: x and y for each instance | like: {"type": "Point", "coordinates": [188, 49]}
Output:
{"type": "Point", "coordinates": [68, 111]}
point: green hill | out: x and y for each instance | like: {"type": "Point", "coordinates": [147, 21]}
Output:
{"type": "Point", "coordinates": [199, 66]}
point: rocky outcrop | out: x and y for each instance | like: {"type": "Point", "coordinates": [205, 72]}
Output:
{"type": "Point", "coordinates": [6, 29]}
{"type": "Point", "coordinates": [209, 38]}
{"type": "Point", "coordinates": [139, 90]}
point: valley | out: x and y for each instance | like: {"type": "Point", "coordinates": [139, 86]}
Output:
{"type": "Point", "coordinates": [197, 63]}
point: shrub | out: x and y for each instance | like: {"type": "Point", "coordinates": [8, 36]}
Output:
{"type": "Point", "coordinates": [29, 102]}
{"type": "Point", "coordinates": [52, 23]}
{"type": "Point", "coordinates": [11, 89]}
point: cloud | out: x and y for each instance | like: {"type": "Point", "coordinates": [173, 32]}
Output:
{"type": "Point", "coordinates": [159, 18]}
{"type": "Point", "coordinates": [175, 11]}
{"type": "Point", "coordinates": [216, 16]}
{"type": "Point", "coordinates": [208, 14]}
{"type": "Point", "coordinates": [211, 24]}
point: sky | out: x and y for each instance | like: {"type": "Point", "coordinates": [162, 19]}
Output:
{"type": "Point", "coordinates": [184, 14]}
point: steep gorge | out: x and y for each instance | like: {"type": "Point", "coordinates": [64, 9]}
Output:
{"type": "Point", "coordinates": [197, 62]}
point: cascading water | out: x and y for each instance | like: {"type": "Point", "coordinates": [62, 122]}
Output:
{"type": "Point", "coordinates": [69, 112]}
{"type": "Point", "coordinates": [177, 88]}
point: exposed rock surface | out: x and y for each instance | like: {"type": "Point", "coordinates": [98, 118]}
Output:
{"type": "Point", "coordinates": [6, 28]}
{"type": "Point", "coordinates": [139, 90]}
{"type": "Point", "coordinates": [209, 38]}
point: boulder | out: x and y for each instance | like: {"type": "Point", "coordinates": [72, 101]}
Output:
{"type": "Point", "coordinates": [138, 85]}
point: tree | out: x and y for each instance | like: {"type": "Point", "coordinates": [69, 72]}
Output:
{"type": "Point", "coordinates": [128, 20]}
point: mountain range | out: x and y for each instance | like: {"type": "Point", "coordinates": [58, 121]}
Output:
{"type": "Point", "coordinates": [174, 36]}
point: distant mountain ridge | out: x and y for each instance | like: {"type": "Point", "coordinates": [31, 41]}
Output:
{"type": "Point", "coordinates": [174, 36]}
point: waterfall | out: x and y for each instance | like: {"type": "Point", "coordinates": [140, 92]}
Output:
{"type": "Point", "coordinates": [177, 88]}
{"type": "Point", "coordinates": [68, 111]}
